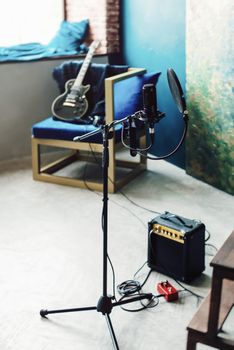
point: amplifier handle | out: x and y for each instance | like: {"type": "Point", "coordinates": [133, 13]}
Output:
{"type": "Point", "coordinates": [172, 216]}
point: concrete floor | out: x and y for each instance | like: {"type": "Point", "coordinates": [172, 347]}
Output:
{"type": "Point", "coordinates": [51, 257]}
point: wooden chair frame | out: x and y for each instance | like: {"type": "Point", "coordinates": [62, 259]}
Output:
{"type": "Point", "coordinates": [46, 173]}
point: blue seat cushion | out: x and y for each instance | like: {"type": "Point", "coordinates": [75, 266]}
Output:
{"type": "Point", "coordinates": [59, 130]}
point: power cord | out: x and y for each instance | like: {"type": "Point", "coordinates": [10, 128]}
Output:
{"type": "Point", "coordinates": [132, 286]}
{"type": "Point", "coordinates": [209, 244]}
{"type": "Point", "coordinates": [208, 236]}
{"type": "Point", "coordinates": [136, 204]}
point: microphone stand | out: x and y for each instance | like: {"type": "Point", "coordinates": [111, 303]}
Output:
{"type": "Point", "coordinates": [105, 302]}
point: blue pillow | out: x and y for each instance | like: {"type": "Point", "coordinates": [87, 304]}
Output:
{"type": "Point", "coordinates": [70, 35]}
{"type": "Point", "coordinates": [128, 94]}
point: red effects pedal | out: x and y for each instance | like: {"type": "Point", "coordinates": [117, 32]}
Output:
{"type": "Point", "coordinates": [170, 293]}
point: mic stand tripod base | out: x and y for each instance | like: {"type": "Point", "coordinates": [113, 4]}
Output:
{"type": "Point", "coordinates": [104, 306]}
{"type": "Point", "coordinates": [43, 313]}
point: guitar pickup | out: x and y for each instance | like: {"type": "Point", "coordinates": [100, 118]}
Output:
{"type": "Point", "coordinates": [69, 104]}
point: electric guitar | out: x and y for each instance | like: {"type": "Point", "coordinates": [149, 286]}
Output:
{"type": "Point", "coordinates": [73, 104]}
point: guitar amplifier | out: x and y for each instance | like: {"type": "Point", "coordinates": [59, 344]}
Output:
{"type": "Point", "coordinates": [176, 246]}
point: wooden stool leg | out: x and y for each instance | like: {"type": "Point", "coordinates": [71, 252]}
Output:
{"type": "Point", "coordinates": [191, 342]}
{"type": "Point", "coordinates": [215, 300]}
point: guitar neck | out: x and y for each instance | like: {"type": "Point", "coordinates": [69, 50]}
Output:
{"type": "Point", "coordinates": [79, 79]}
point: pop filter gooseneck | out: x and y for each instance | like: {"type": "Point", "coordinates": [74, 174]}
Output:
{"type": "Point", "coordinates": [176, 90]}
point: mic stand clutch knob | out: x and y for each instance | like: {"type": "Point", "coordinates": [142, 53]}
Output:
{"type": "Point", "coordinates": [104, 305]}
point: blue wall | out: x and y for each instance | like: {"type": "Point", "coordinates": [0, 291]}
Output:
{"type": "Point", "coordinates": [153, 37]}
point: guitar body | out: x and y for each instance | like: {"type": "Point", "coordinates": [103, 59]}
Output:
{"type": "Point", "coordinates": [72, 104]}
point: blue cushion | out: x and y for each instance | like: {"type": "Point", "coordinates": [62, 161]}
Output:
{"type": "Point", "coordinates": [128, 94]}
{"type": "Point", "coordinates": [59, 130]}
{"type": "Point", "coordinates": [70, 35]}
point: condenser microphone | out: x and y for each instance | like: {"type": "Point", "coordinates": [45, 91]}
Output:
{"type": "Point", "coordinates": [150, 107]}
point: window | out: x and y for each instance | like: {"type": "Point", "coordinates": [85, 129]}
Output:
{"type": "Point", "coordinates": [26, 21]}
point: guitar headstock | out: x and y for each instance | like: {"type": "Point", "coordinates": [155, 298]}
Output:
{"type": "Point", "coordinates": [93, 47]}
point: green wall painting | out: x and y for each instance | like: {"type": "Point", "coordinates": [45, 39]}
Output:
{"type": "Point", "coordinates": [209, 90]}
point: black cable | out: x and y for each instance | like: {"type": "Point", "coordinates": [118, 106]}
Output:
{"type": "Point", "coordinates": [113, 274]}
{"type": "Point", "coordinates": [131, 148]}
{"type": "Point", "coordinates": [144, 282]}
{"type": "Point", "coordinates": [140, 269]}
{"type": "Point", "coordinates": [172, 152]}
{"type": "Point", "coordinates": [84, 177]}
{"type": "Point", "coordinates": [198, 296]}
{"type": "Point", "coordinates": [208, 237]}
{"type": "Point", "coordinates": [144, 306]}
{"type": "Point", "coordinates": [128, 287]}
{"type": "Point", "coordinates": [212, 246]}
{"type": "Point", "coordinates": [124, 194]}
{"type": "Point", "coordinates": [120, 205]}
{"type": "Point", "coordinates": [139, 151]}
{"type": "Point", "coordinates": [129, 210]}
{"type": "Point", "coordinates": [131, 288]}
{"type": "Point", "coordinates": [138, 205]}
{"type": "Point", "coordinates": [209, 244]}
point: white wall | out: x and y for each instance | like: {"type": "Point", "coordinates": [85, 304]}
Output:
{"type": "Point", "coordinates": [27, 90]}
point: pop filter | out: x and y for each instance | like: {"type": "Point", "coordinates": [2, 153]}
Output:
{"type": "Point", "coordinates": [176, 90]}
